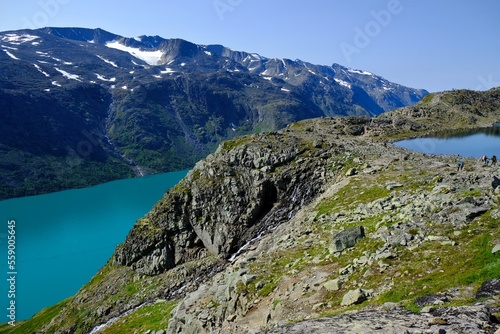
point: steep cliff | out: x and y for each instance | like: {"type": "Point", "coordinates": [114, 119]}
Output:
{"type": "Point", "coordinates": [315, 220]}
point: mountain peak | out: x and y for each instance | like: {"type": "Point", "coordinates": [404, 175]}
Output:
{"type": "Point", "coordinates": [97, 35]}
{"type": "Point", "coordinates": [166, 102]}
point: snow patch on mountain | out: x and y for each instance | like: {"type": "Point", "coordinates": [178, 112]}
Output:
{"type": "Point", "coordinates": [68, 75]}
{"type": "Point", "coordinates": [107, 61]}
{"type": "Point", "coordinates": [342, 83]}
{"type": "Point", "coordinates": [18, 39]}
{"type": "Point", "coordinates": [167, 70]}
{"type": "Point", "coordinates": [11, 55]}
{"type": "Point", "coordinates": [41, 71]}
{"type": "Point", "coordinates": [103, 78]}
{"type": "Point", "coordinates": [360, 72]}
{"type": "Point", "coordinates": [9, 47]}
{"type": "Point", "coordinates": [150, 57]}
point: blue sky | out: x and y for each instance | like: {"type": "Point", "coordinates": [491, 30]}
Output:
{"type": "Point", "coordinates": [436, 45]}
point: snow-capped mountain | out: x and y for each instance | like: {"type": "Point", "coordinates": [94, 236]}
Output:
{"type": "Point", "coordinates": [87, 98]}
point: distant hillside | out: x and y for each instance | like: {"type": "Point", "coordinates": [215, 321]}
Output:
{"type": "Point", "coordinates": [83, 106]}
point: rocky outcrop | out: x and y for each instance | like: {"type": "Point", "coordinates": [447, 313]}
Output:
{"type": "Point", "coordinates": [225, 201]}
{"type": "Point", "coordinates": [489, 289]}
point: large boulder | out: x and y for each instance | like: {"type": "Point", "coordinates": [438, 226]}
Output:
{"type": "Point", "coordinates": [347, 238]}
{"type": "Point", "coordinates": [356, 296]}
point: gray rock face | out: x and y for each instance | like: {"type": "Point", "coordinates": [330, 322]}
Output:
{"type": "Point", "coordinates": [196, 221]}
{"type": "Point", "coordinates": [489, 289]}
{"type": "Point", "coordinates": [347, 238]}
{"type": "Point", "coordinates": [456, 320]}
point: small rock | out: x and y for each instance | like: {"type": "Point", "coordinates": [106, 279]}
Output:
{"type": "Point", "coordinates": [427, 309]}
{"type": "Point", "coordinates": [432, 299]}
{"type": "Point", "coordinates": [438, 321]}
{"type": "Point", "coordinates": [356, 296]}
{"type": "Point", "coordinates": [247, 279]}
{"type": "Point", "coordinates": [389, 306]}
{"type": "Point", "coordinates": [346, 270]}
{"type": "Point", "coordinates": [266, 169]}
{"type": "Point", "coordinates": [476, 212]}
{"type": "Point", "coordinates": [496, 248]}
{"type": "Point", "coordinates": [393, 185]}
{"type": "Point", "coordinates": [351, 172]}
{"type": "Point", "coordinates": [317, 144]}
{"type": "Point", "coordinates": [333, 285]}
{"type": "Point", "coordinates": [260, 285]}
{"type": "Point", "coordinates": [317, 306]}
{"type": "Point", "coordinates": [437, 238]}
{"type": "Point", "coordinates": [231, 318]}
{"type": "Point", "coordinates": [385, 255]}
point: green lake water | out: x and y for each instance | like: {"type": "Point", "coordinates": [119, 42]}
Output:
{"type": "Point", "coordinates": [64, 238]}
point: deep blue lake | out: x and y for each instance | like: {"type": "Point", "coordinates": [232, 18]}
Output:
{"type": "Point", "coordinates": [64, 238]}
{"type": "Point", "coordinates": [467, 143]}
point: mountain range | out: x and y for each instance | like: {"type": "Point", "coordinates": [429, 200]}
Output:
{"type": "Point", "coordinates": [84, 106]}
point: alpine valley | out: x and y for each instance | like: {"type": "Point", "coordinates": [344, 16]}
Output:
{"type": "Point", "coordinates": [84, 106]}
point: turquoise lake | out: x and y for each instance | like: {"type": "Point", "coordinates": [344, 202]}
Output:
{"type": "Point", "coordinates": [467, 143]}
{"type": "Point", "coordinates": [64, 238]}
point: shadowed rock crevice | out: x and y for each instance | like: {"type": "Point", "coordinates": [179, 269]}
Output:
{"type": "Point", "coordinates": [268, 199]}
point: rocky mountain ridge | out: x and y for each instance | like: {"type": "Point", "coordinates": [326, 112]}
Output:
{"type": "Point", "coordinates": [323, 226]}
{"type": "Point", "coordinates": [85, 106]}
